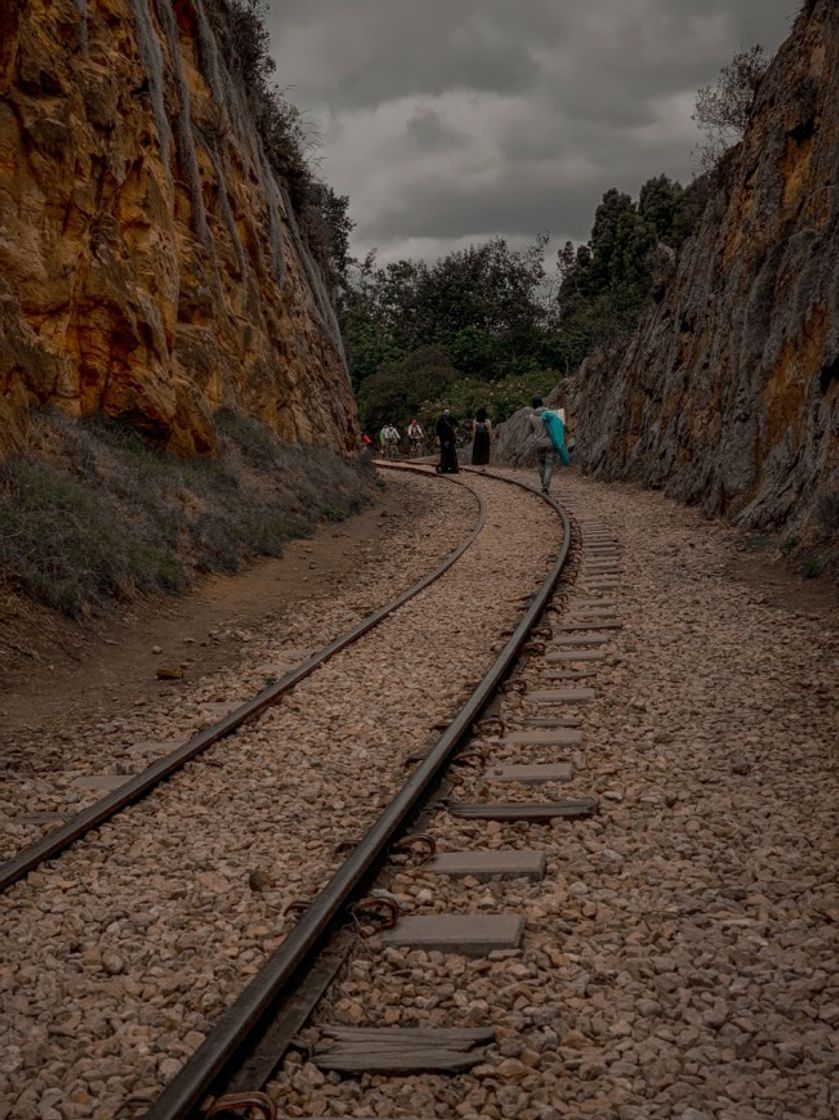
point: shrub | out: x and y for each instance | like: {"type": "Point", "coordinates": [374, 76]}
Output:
{"type": "Point", "coordinates": [61, 543]}
{"type": "Point", "coordinates": [94, 513]}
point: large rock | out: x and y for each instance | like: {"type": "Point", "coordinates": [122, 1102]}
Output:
{"type": "Point", "coordinates": [512, 443]}
{"type": "Point", "coordinates": [728, 395]}
{"type": "Point", "coordinates": [151, 265]}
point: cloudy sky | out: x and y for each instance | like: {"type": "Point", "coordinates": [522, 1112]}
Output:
{"type": "Point", "coordinates": [449, 121]}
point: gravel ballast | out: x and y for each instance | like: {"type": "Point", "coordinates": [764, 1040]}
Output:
{"type": "Point", "coordinates": [679, 957]}
{"type": "Point", "coordinates": [119, 956]}
{"type": "Point", "coordinates": [47, 770]}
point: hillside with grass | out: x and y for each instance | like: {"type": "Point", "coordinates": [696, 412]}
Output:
{"type": "Point", "coordinates": [174, 395]}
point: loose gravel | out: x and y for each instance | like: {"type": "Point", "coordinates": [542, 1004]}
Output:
{"type": "Point", "coordinates": [120, 956]}
{"type": "Point", "coordinates": [42, 772]}
{"type": "Point", "coordinates": [679, 958]}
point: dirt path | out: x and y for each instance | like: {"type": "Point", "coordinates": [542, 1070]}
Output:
{"type": "Point", "coordinates": [69, 673]}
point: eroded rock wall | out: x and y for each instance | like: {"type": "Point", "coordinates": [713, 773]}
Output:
{"type": "Point", "coordinates": [150, 262]}
{"type": "Point", "coordinates": [728, 395]}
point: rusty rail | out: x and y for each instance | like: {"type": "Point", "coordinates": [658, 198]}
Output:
{"type": "Point", "coordinates": [56, 841]}
{"type": "Point", "coordinates": [247, 1016]}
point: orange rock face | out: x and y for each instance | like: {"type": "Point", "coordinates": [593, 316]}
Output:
{"type": "Point", "coordinates": [728, 394]}
{"type": "Point", "coordinates": [150, 263]}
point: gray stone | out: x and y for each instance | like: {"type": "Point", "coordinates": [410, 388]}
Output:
{"type": "Point", "coordinates": [529, 775]}
{"type": "Point", "coordinates": [556, 737]}
{"type": "Point", "coordinates": [473, 935]}
{"type": "Point", "coordinates": [489, 865]}
{"type": "Point", "coordinates": [102, 781]}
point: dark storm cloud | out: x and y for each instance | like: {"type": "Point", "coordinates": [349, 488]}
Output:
{"type": "Point", "coordinates": [457, 119]}
{"type": "Point", "coordinates": [428, 132]}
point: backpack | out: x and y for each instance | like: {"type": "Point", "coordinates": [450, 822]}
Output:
{"type": "Point", "coordinates": [556, 433]}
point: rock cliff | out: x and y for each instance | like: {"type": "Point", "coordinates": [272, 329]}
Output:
{"type": "Point", "coordinates": [151, 266]}
{"type": "Point", "coordinates": [728, 394]}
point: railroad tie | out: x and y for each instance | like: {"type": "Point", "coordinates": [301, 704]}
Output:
{"type": "Point", "coordinates": [504, 863]}
{"type": "Point", "coordinates": [562, 695]}
{"type": "Point", "coordinates": [546, 722]}
{"type": "Point", "coordinates": [577, 809]}
{"type": "Point", "coordinates": [547, 737]}
{"type": "Point", "coordinates": [581, 655]}
{"type": "Point", "coordinates": [471, 935]}
{"type": "Point", "coordinates": [568, 640]}
{"type": "Point", "coordinates": [594, 624]}
{"type": "Point", "coordinates": [402, 1049]}
{"type": "Point", "coordinates": [101, 781]}
{"type": "Point", "coordinates": [570, 674]}
{"type": "Point", "coordinates": [531, 774]}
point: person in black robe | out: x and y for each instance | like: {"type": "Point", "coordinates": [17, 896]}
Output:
{"type": "Point", "coordinates": [481, 430]}
{"type": "Point", "coordinates": [446, 426]}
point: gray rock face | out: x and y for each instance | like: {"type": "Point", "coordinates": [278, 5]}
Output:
{"type": "Point", "coordinates": [728, 394]}
{"type": "Point", "coordinates": [511, 445]}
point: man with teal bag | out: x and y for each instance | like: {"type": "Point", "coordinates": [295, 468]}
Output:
{"type": "Point", "coordinates": [547, 430]}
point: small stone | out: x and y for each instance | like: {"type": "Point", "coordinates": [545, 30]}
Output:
{"type": "Point", "coordinates": [170, 672]}
{"type": "Point", "coordinates": [259, 880]}
{"type": "Point", "coordinates": [511, 1069]}
{"type": "Point", "coordinates": [113, 963]}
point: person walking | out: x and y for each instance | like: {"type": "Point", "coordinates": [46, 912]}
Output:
{"type": "Point", "coordinates": [481, 438]}
{"type": "Point", "coordinates": [542, 423]}
{"type": "Point", "coordinates": [446, 435]}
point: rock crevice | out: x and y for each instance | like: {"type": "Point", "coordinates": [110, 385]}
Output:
{"type": "Point", "coordinates": [150, 263]}
{"type": "Point", "coordinates": [725, 396]}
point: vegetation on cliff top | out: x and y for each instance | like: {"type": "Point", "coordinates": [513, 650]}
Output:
{"type": "Point", "coordinates": [323, 216]}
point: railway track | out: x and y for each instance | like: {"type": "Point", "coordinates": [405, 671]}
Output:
{"type": "Point", "coordinates": [249, 1042]}
{"type": "Point", "coordinates": [106, 846]}
{"type": "Point", "coordinates": [676, 918]}
{"type": "Point", "coordinates": [140, 785]}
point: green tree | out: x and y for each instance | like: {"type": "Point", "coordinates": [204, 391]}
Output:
{"type": "Point", "coordinates": [481, 305]}
{"type": "Point", "coordinates": [397, 390]}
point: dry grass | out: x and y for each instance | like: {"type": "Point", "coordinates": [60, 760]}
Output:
{"type": "Point", "coordinates": [93, 513]}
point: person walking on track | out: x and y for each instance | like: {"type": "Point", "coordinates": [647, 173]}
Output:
{"type": "Point", "coordinates": [446, 435]}
{"type": "Point", "coordinates": [547, 431]}
{"type": "Point", "coordinates": [481, 438]}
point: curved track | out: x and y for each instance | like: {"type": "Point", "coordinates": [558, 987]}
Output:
{"type": "Point", "coordinates": [245, 1020]}
{"type": "Point", "coordinates": [135, 788]}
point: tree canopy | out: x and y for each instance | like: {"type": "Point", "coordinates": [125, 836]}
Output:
{"type": "Point", "coordinates": [417, 332]}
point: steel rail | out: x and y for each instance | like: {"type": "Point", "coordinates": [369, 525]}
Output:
{"type": "Point", "coordinates": [227, 1040]}
{"type": "Point", "coordinates": [133, 789]}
